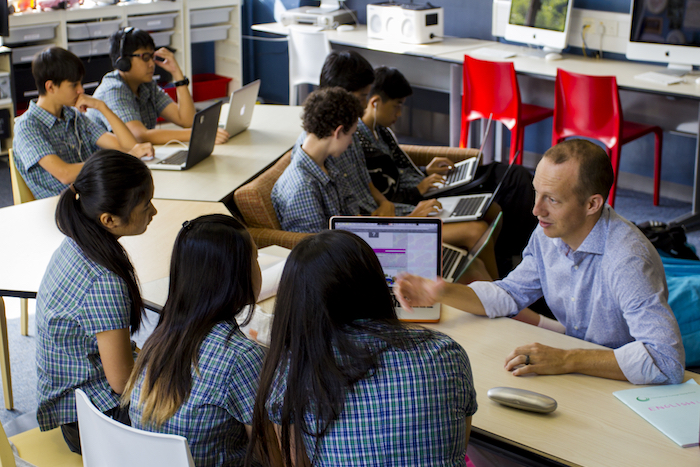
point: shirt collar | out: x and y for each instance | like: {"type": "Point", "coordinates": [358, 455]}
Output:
{"type": "Point", "coordinates": [310, 166]}
{"type": "Point", "coordinates": [595, 240]}
{"type": "Point", "coordinates": [144, 89]}
{"type": "Point", "coordinates": [47, 118]}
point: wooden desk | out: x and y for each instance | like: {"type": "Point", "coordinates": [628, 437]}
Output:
{"type": "Point", "coordinates": [30, 237]}
{"type": "Point", "coordinates": [590, 426]}
{"type": "Point", "coordinates": [272, 132]}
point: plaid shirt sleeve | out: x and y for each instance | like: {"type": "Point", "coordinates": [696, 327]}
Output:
{"type": "Point", "coordinates": [30, 143]}
{"type": "Point", "coordinates": [106, 305]}
{"type": "Point", "coordinates": [161, 98]}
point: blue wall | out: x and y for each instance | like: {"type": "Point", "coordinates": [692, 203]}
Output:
{"type": "Point", "coordinates": [464, 18]}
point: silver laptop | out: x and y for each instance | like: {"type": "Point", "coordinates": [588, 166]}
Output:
{"type": "Point", "coordinates": [402, 244]}
{"type": "Point", "coordinates": [469, 207]}
{"type": "Point", "coordinates": [455, 261]}
{"type": "Point", "coordinates": [464, 171]}
{"type": "Point", "coordinates": [201, 146]}
{"type": "Point", "coordinates": [240, 109]}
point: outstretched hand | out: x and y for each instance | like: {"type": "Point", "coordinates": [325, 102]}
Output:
{"type": "Point", "coordinates": [413, 291]}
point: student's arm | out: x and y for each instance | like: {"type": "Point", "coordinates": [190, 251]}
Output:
{"type": "Point", "coordinates": [63, 171]}
{"type": "Point", "coordinates": [120, 133]}
{"type": "Point", "coordinates": [182, 112]}
{"type": "Point", "coordinates": [117, 357]}
{"type": "Point", "coordinates": [386, 208]}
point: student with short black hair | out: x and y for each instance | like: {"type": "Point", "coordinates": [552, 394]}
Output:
{"type": "Point", "coordinates": [344, 381]}
{"type": "Point", "coordinates": [137, 99]}
{"type": "Point", "coordinates": [88, 302]}
{"type": "Point", "coordinates": [197, 374]}
{"type": "Point", "coordinates": [401, 181]}
{"type": "Point", "coordinates": [53, 137]}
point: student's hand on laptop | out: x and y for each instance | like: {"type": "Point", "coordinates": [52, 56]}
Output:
{"type": "Point", "coordinates": [429, 207]}
{"type": "Point", "coordinates": [385, 209]}
{"type": "Point", "coordinates": [413, 291]}
{"type": "Point", "coordinates": [222, 136]}
{"type": "Point", "coordinates": [439, 165]}
{"type": "Point", "coordinates": [143, 151]}
{"type": "Point", "coordinates": [168, 63]}
{"type": "Point", "coordinates": [429, 182]}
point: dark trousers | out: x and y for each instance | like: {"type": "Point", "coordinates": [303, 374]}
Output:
{"type": "Point", "coordinates": [71, 431]}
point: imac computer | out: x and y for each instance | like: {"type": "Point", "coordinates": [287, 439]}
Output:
{"type": "Point", "coordinates": [542, 23]}
{"type": "Point", "coordinates": [665, 31]}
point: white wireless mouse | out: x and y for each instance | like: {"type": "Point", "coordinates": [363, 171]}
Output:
{"type": "Point", "coordinates": [345, 28]}
{"type": "Point", "coordinates": [522, 399]}
{"type": "Point", "coordinates": [553, 56]}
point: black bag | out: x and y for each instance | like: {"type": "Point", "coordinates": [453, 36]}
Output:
{"type": "Point", "coordinates": [670, 239]}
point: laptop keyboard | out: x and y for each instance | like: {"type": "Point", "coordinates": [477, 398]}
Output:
{"type": "Point", "coordinates": [468, 206]}
{"type": "Point", "coordinates": [449, 258]}
{"type": "Point", "coordinates": [459, 173]}
{"type": "Point", "coordinates": [178, 158]}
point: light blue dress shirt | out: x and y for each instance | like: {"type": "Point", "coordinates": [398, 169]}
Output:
{"type": "Point", "coordinates": [611, 291]}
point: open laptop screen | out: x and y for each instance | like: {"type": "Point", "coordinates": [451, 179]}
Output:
{"type": "Point", "coordinates": [412, 245]}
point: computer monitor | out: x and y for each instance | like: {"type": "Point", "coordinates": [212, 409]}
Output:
{"type": "Point", "coordinates": [665, 32]}
{"type": "Point", "coordinates": [539, 22]}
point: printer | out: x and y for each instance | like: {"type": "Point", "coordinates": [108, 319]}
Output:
{"type": "Point", "coordinates": [328, 15]}
{"type": "Point", "coordinates": [405, 22]}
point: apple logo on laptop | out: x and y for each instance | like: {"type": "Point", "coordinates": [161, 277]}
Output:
{"type": "Point", "coordinates": [243, 110]}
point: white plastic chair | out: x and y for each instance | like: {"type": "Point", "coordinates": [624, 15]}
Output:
{"type": "Point", "coordinates": [308, 48]}
{"type": "Point", "coordinates": [108, 443]}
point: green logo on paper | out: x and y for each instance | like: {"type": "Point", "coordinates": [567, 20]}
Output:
{"type": "Point", "coordinates": [642, 399]}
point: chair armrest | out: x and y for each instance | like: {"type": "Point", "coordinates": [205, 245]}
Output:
{"type": "Point", "coordinates": [266, 237]}
{"type": "Point", "coordinates": [422, 155]}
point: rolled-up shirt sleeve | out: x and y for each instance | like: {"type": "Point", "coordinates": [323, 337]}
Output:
{"type": "Point", "coordinates": [656, 356]}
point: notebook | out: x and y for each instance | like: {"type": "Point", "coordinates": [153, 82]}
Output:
{"type": "Point", "coordinates": [470, 207]}
{"type": "Point", "coordinates": [240, 109]}
{"type": "Point", "coordinates": [201, 143]}
{"type": "Point", "coordinates": [464, 171]}
{"type": "Point", "coordinates": [455, 261]}
{"type": "Point", "coordinates": [402, 244]}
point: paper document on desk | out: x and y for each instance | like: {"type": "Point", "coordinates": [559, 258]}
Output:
{"type": "Point", "coordinates": [672, 409]}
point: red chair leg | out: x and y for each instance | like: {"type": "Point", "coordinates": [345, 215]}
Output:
{"type": "Point", "coordinates": [514, 142]}
{"type": "Point", "coordinates": [464, 134]}
{"type": "Point", "coordinates": [657, 165]}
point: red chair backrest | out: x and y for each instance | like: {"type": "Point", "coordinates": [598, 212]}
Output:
{"type": "Point", "coordinates": [490, 87]}
{"type": "Point", "coordinates": [587, 106]}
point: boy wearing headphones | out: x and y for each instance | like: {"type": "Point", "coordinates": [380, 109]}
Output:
{"type": "Point", "coordinates": [137, 99]}
{"type": "Point", "coordinates": [53, 137]}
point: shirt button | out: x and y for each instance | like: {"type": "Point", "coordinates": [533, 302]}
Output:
{"type": "Point", "coordinates": [576, 327]}
{"type": "Point", "coordinates": [573, 299]}
{"type": "Point", "coordinates": [576, 267]}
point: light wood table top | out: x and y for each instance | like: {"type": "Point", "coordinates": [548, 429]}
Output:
{"type": "Point", "coordinates": [590, 426]}
{"type": "Point", "coordinates": [272, 132]}
{"type": "Point", "coordinates": [30, 237]}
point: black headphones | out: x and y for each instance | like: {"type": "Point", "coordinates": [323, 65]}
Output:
{"type": "Point", "coordinates": [123, 63]}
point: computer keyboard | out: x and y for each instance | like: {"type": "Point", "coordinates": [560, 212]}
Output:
{"type": "Point", "coordinates": [459, 173]}
{"type": "Point", "coordinates": [467, 206]}
{"type": "Point", "coordinates": [492, 52]}
{"type": "Point", "coordinates": [659, 78]}
{"type": "Point", "coordinates": [178, 158]}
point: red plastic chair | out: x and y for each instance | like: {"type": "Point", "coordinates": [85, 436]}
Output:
{"type": "Point", "coordinates": [491, 87]}
{"type": "Point", "coordinates": [590, 106]}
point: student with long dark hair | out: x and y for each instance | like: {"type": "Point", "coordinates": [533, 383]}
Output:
{"type": "Point", "coordinates": [89, 298]}
{"type": "Point", "coordinates": [197, 374]}
{"type": "Point", "coordinates": [344, 381]}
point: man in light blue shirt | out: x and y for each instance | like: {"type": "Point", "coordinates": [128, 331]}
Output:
{"type": "Point", "coordinates": [600, 276]}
